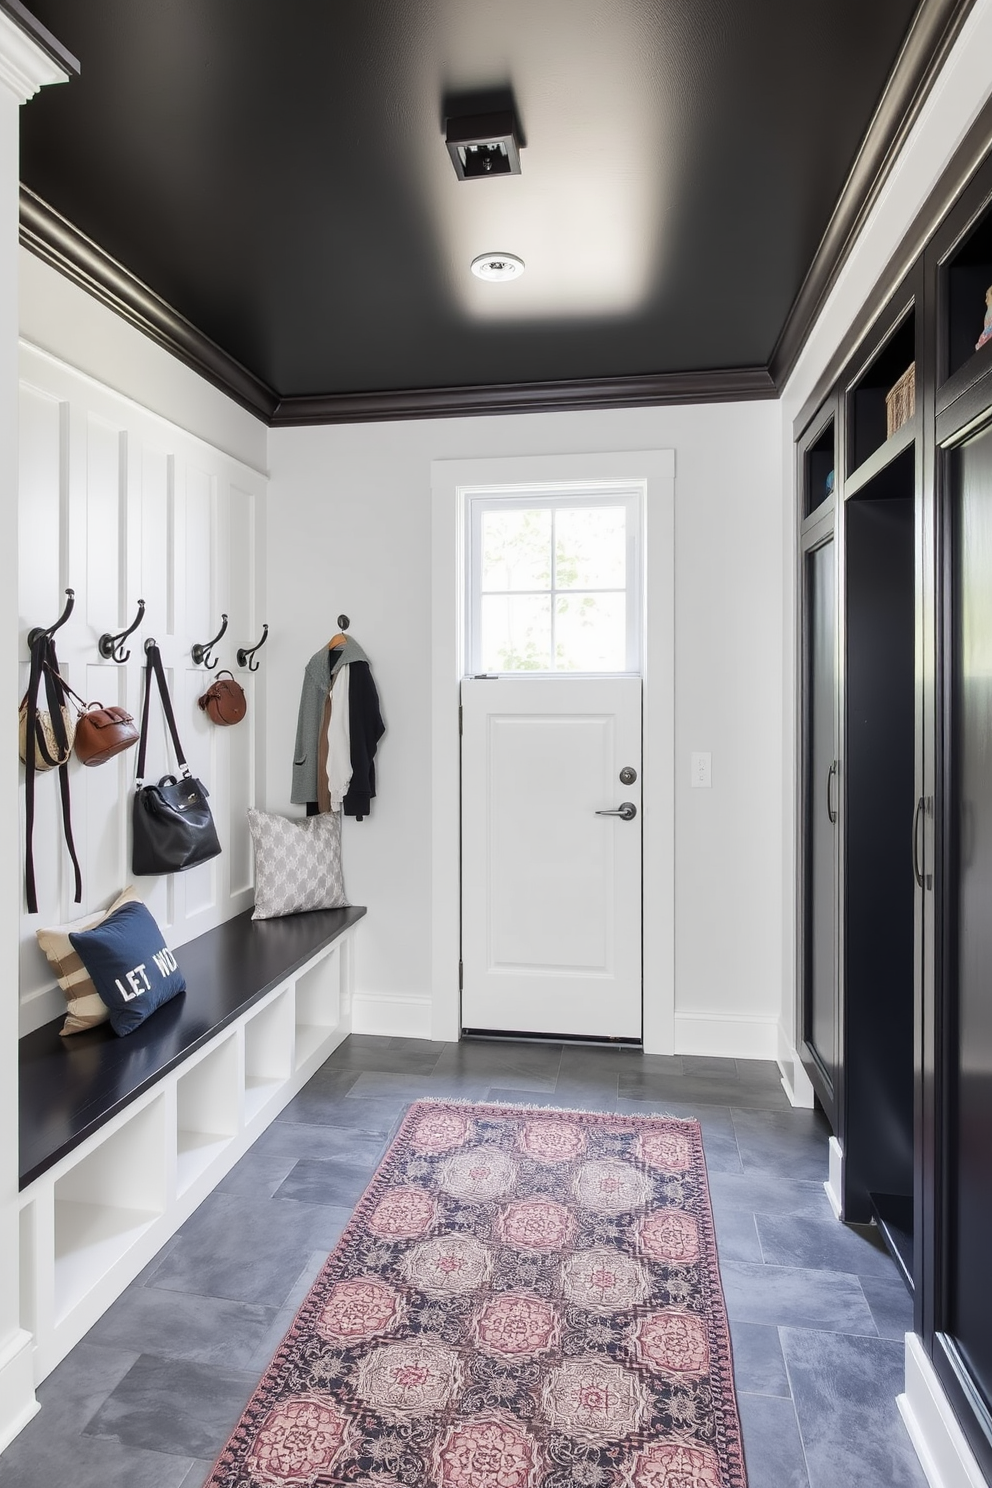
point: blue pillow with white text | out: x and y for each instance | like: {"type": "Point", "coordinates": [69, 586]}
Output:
{"type": "Point", "coordinates": [130, 964]}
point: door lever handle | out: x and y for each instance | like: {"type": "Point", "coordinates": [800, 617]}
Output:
{"type": "Point", "coordinates": [626, 811]}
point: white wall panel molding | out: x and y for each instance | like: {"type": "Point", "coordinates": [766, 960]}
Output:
{"type": "Point", "coordinates": [121, 505]}
{"type": "Point", "coordinates": [34, 358]}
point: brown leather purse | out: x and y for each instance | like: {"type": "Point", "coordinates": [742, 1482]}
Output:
{"type": "Point", "coordinates": [100, 732]}
{"type": "Point", "coordinates": [103, 732]}
{"type": "Point", "coordinates": [224, 701]}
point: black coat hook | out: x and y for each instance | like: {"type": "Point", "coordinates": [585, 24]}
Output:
{"type": "Point", "coordinates": [111, 646]}
{"type": "Point", "coordinates": [201, 653]}
{"type": "Point", "coordinates": [343, 622]}
{"type": "Point", "coordinates": [245, 653]}
{"type": "Point", "coordinates": [38, 631]}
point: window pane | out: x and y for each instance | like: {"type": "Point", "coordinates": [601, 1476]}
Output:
{"type": "Point", "coordinates": [516, 633]}
{"type": "Point", "coordinates": [516, 550]}
{"type": "Point", "coordinates": [591, 633]}
{"type": "Point", "coordinates": [591, 547]}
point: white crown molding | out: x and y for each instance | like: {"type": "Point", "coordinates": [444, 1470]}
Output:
{"type": "Point", "coordinates": [24, 66]}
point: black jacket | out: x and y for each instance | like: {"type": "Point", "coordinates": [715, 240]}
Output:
{"type": "Point", "coordinates": [367, 728]}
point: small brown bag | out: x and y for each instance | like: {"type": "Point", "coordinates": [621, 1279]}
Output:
{"type": "Point", "coordinates": [100, 732]}
{"type": "Point", "coordinates": [224, 702]}
{"type": "Point", "coordinates": [103, 732]}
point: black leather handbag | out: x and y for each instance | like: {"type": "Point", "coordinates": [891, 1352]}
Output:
{"type": "Point", "coordinates": [172, 825]}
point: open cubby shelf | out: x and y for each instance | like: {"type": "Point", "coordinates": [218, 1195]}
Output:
{"type": "Point", "coordinates": [820, 464]}
{"type": "Point", "coordinates": [867, 417]}
{"type": "Point", "coordinates": [967, 276]}
{"type": "Point", "coordinates": [144, 1127]}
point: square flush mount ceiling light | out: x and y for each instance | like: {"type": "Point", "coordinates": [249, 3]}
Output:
{"type": "Point", "coordinates": [483, 145]}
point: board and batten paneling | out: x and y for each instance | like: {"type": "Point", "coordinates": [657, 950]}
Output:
{"type": "Point", "coordinates": [119, 504]}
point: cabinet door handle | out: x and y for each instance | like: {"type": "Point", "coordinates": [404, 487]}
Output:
{"type": "Point", "coordinates": [916, 842]}
{"type": "Point", "coordinates": [831, 775]}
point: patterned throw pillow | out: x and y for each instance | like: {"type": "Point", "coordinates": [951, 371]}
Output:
{"type": "Point", "coordinates": [86, 1008]}
{"type": "Point", "coordinates": [297, 863]}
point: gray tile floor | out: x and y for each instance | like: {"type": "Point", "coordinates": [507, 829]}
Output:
{"type": "Point", "coordinates": [817, 1311]}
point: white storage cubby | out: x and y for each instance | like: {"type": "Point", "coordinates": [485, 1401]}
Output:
{"type": "Point", "coordinates": [93, 1220]}
{"type": "Point", "coordinates": [106, 1202]}
{"type": "Point", "coordinates": [318, 1004]}
{"type": "Point", "coordinates": [268, 1053]}
{"type": "Point", "coordinates": [206, 1111]}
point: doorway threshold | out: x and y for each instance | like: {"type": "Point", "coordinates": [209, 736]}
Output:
{"type": "Point", "coordinates": [513, 1036]}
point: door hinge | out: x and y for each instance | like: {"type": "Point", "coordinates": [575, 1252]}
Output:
{"type": "Point", "coordinates": [461, 716]}
{"type": "Point", "coordinates": [461, 977]}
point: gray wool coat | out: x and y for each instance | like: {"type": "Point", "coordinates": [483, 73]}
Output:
{"type": "Point", "coordinates": [316, 682]}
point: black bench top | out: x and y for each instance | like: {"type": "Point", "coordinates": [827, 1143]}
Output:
{"type": "Point", "coordinates": [69, 1087]}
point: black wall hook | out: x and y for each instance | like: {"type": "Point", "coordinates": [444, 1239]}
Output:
{"type": "Point", "coordinates": [111, 645]}
{"type": "Point", "coordinates": [245, 653]}
{"type": "Point", "coordinates": [39, 631]}
{"type": "Point", "coordinates": [343, 622]}
{"type": "Point", "coordinates": [201, 653]}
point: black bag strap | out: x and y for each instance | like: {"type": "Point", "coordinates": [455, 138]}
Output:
{"type": "Point", "coordinates": [81, 708]}
{"type": "Point", "coordinates": [154, 666]}
{"type": "Point", "coordinates": [44, 663]}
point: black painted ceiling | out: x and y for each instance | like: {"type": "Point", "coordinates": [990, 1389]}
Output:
{"type": "Point", "coordinates": [276, 170]}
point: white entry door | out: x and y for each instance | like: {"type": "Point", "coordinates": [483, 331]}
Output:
{"type": "Point", "coordinates": [551, 885]}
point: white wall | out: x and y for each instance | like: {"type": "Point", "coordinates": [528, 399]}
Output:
{"type": "Point", "coordinates": [350, 530]}
{"type": "Point", "coordinates": [964, 87]}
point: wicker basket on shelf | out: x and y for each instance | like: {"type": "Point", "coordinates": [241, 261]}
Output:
{"type": "Point", "coordinates": [900, 401]}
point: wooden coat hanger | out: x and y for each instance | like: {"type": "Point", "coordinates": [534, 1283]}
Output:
{"type": "Point", "coordinates": [340, 639]}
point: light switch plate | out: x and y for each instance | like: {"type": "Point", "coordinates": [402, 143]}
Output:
{"type": "Point", "coordinates": [701, 769]}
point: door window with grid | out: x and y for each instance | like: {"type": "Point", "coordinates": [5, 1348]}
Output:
{"type": "Point", "coordinates": [554, 580]}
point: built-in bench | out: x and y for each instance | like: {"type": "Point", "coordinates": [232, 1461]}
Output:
{"type": "Point", "coordinates": [121, 1138]}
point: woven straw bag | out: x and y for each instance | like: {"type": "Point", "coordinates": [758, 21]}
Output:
{"type": "Point", "coordinates": [48, 754]}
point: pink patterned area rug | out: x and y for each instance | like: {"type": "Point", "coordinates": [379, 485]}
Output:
{"type": "Point", "coordinates": [522, 1299]}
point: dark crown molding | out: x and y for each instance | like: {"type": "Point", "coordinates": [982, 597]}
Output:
{"type": "Point", "coordinates": [934, 29]}
{"type": "Point", "coordinates": [63, 246]}
{"type": "Point", "coordinates": [729, 385]}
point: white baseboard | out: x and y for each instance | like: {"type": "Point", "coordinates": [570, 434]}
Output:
{"type": "Point", "coordinates": [397, 1017]}
{"type": "Point", "coordinates": [795, 1081]}
{"type": "Point", "coordinates": [728, 1038]}
{"type": "Point", "coordinates": [940, 1444]}
{"type": "Point", "coordinates": [835, 1182]}
{"type": "Point", "coordinates": [17, 1398]}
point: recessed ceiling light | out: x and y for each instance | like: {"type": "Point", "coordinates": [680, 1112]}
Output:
{"type": "Point", "coordinates": [497, 267]}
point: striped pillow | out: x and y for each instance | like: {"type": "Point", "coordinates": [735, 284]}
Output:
{"type": "Point", "coordinates": [86, 1008]}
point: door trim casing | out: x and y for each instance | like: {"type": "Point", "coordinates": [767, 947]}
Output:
{"type": "Point", "coordinates": [655, 471]}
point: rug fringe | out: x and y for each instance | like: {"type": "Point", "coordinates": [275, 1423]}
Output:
{"type": "Point", "coordinates": [450, 1100]}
